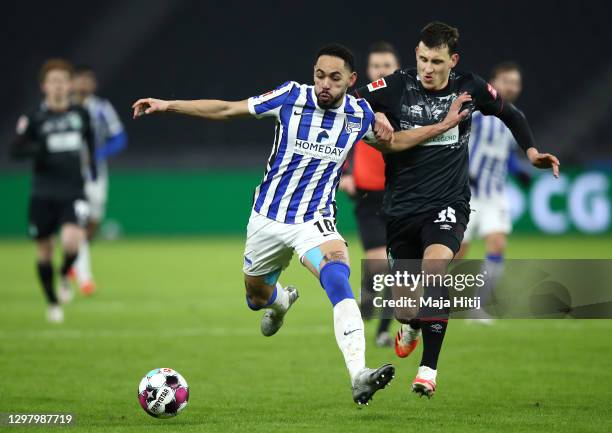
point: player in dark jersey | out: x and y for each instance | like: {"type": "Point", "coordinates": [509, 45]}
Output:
{"type": "Point", "coordinates": [427, 192]}
{"type": "Point", "coordinates": [364, 181]}
{"type": "Point", "coordinates": [58, 138]}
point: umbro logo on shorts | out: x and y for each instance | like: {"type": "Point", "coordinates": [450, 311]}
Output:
{"type": "Point", "coordinates": [436, 327]}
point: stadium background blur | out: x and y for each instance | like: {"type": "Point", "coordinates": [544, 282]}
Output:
{"type": "Point", "coordinates": [183, 50]}
{"type": "Point", "coordinates": [182, 177]}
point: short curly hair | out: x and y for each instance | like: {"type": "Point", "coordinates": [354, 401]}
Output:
{"type": "Point", "coordinates": [337, 50]}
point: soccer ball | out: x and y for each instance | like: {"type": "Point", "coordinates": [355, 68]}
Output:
{"type": "Point", "coordinates": [163, 393]}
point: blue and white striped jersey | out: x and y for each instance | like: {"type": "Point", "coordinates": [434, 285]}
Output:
{"type": "Point", "coordinates": [490, 146]}
{"type": "Point", "coordinates": [310, 147]}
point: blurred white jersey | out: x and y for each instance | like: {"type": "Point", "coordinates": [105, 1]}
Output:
{"type": "Point", "coordinates": [105, 124]}
{"type": "Point", "coordinates": [490, 146]}
{"type": "Point", "coordinates": [106, 127]}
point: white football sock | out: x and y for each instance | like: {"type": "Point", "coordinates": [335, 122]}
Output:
{"type": "Point", "coordinates": [83, 263]}
{"type": "Point", "coordinates": [427, 373]}
{"type": "Point", "coordinates": [281, 303]}
{"type": "Point", "coordinates": [350, 336]}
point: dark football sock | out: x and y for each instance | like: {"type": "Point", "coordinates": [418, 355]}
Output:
{"type": "Point", "coordinates": [383, 326]}
{"type": "Point", "coordinates": [433, 335]}
{"type": "Point", "coordinates": [69, 259]}
{"type": "Point", "coordinates": [415, 324]}
{"type": "Point", "coordinates": [45, 275]}
{"type": "Point", "coordinates": [433, 327]}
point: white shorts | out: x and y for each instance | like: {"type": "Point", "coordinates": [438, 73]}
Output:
{"type": "Point", "coordinates": [488, 215]}
{"type": "Point", "coordinates": [96, 193]}
{"type": "Point", "coordinates": [270, 244]}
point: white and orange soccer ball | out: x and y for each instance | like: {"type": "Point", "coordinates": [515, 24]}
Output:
{"type": "Point", "coordinates": [163, 393]}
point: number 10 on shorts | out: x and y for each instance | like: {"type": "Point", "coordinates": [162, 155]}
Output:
{"type": "Point", "coordinates": [326, 226]}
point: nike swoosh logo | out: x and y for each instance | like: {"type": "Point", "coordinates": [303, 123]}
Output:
{"type": "Point", "coordinates": [301, 113]}
{"type": "Point", "coordinates": [350, 332]}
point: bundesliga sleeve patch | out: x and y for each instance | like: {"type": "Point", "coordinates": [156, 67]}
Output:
{"type": "Point", "coordinates": [378, 84]}
{"type": "Point", "coordinates": [265, 96]}
{"type": "Point", "coordinates": [492, 91]}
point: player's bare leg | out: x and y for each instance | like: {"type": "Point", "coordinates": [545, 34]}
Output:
{"type": "Point", "coordinates": [431, 324]}
{"type": "Point", "coordinates": [81, 271]}
{"type": "Point", "coordinates": [367, 293]}
{"type": "Point", "coordinates": [265, 292]}
{"type": "Point", "coordinates": [71, 236]}
{"type": "Point", "coordinates": [492, 269]}
{"type": "Point", "coordinates": [376, 259]}
{"type": "Point", "coordinates": [329, 262]}
{"type": "Point", "coordinates": [463, 250]}
{"type": "Point", "coordinates": [44, 265]}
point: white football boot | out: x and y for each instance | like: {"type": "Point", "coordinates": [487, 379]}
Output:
{"type": "Point", "coordinates": [425, 381]}
{"type": "Point", "coordinates": [55, 314]}
{"type": "Point", "coordinates": [272, 319]}
{"type": "Point", "coordinates": [370, 380]}
{"type": "Point", "coordinates": [66, 294]}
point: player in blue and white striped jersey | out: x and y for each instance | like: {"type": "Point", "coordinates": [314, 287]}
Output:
{"type": "Point", "coordinates": [111, 139]}
{"type": "Point", "coordinates": [294, 209]}
{"type": "Point", "coordinates": [491, 150]}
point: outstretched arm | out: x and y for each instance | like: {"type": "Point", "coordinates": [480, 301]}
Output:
{"type": "Point", "coordinates": [403, 140]}
{"type": "Point", "coordinates": [515, 120]}
{"type": "Point", "coordinates": [207, 108]}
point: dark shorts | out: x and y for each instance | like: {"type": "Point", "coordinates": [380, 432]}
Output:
{"type": "Point", "coordinates": [409, 236]}
{"type": "Point", "coordinates": [47, 215]}
{"type": "Point", "coordinates": [370, 221]}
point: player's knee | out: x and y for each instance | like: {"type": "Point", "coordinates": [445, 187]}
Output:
{"type": "Point", "coordinates": [335, 256]}
{"type": "Point", "coordinates": [44, 251]}
{"type": "Point", "coordinates": [334, 277]}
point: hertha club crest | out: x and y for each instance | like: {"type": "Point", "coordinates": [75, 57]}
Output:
{"type": "Point", "coordinates": [352, 124]}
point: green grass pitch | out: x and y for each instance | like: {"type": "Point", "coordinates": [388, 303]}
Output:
{"type": "Point", "coordinates": [179, 303]}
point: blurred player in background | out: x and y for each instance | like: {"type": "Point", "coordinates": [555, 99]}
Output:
{"type": "Point", "coordinates": [294, 207]}
{"type": "Point", "coordinates": [58, 137]}
{"type": "Point", "coordinates": [365, 183]}
{"type": "Point", "coordinates": [110, 139]}
{"type": "Point", "coordinates": [427, 190]}
{"type": "Point", "coordinates": [492, 153]}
